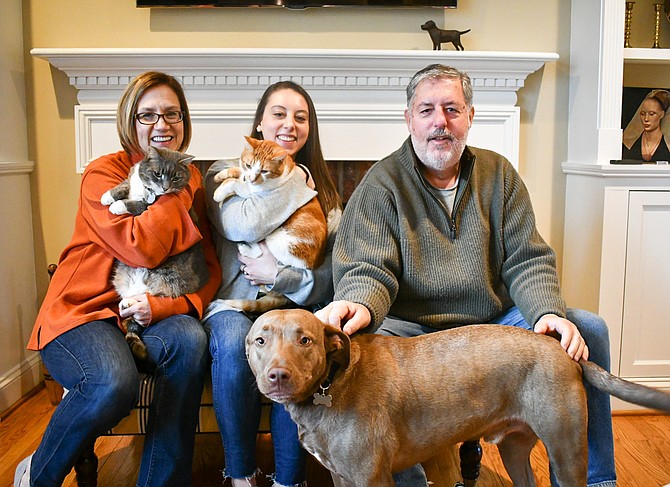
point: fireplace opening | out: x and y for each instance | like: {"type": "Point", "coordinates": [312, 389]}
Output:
{"type": "Point", "coordinates": [346, 176]}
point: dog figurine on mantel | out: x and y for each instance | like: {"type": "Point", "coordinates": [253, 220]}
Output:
{"type": "Point", "coordinates": [438, 36]}
{"type": "Point", "coordinates": [373, 404]}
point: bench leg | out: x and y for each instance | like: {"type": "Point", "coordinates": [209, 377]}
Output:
{"type": "Point", "coordinates": [471, 461]}
{"type": "Point", "coordinates": [86, 468]}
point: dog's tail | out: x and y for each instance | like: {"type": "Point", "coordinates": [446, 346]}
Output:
{"type": "Point", "coordinates": [628, 391]}
{"type": "Point", "coordinates": [464, 31]}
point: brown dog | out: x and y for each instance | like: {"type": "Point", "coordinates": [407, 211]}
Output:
{"type": "Point", "coordinates": [374, 405]}
{"type": "Point", "coordinates": [438, 36]}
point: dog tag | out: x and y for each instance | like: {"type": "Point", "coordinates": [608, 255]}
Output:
{"type": "Point", "coordinates": [323, 399]}
{"type": "Point", "coordinates": [151, 198]}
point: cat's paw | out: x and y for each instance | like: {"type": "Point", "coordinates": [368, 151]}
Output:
{"type": "Point", "coordinates": [118, 208]}
{"type": "Point", "coordinates": [127, 303]}
{"type": "Point", "coordinates": [221, 176]}
{"type": "Point", "coordinates": [252, 250]}
{"type": "Point", "coordinates": [107, 198]}
{"type": "Point", "coordinates": [223, 192]}
{"type": "Point", "coordinates": [231, 172]}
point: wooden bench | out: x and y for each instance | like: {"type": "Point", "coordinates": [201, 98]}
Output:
{"type": "Point", "coordinates": [86, 468]}
{"type": "Point", "coordinates": [346, 176]}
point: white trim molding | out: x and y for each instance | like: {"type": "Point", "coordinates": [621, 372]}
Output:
{"type": "Point", "coordinates": [359, 94]}
{"type": "Point", "coordinates": [16, 167]}
{"type": "Point", "coordinates": [19, 380]}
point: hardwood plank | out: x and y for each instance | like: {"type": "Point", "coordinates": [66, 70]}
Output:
{"type": "Point", "coordinates": [119, 459]}
{"type": "Point", "coordinates": [208, 460]}
{"type": "Point", "coordinates": [21, 432]}
{"type": "Point", "coordinates": [642, 449]}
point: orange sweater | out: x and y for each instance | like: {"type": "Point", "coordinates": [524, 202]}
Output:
{"type": "Point", "coordinates": [81, 291]}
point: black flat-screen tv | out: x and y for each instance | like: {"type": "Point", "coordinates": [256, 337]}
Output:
{"type": "Point", "coordinates": [297, 4]}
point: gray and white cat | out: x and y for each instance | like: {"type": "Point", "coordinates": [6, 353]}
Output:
{"type": "Point", "coordinates": [162, 171]}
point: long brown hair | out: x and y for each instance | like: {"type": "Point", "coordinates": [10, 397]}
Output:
{"type": "Point", "coordinates": [310, 155]}
{"type": "Point", "coordinates": [125, 114]}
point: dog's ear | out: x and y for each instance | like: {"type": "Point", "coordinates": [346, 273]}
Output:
{"type": "Point", "coordinates": [338, 345]}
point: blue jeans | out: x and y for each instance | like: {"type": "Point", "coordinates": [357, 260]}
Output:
{"type": "Point", "coordinates": [94, 363]}
{"type": "Point", "coordinates": [601, 471]}
{"type": "Point", "coordinates": [237, 405]}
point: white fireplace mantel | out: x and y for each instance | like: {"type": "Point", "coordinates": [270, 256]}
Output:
{"type": "Point", "coordinates": [359, 94]}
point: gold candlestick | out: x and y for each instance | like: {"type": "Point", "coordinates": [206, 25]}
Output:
{"type": "Point", "coordinates": [657, 29]}
{"type": "Point", "coordinates": [629, 16]}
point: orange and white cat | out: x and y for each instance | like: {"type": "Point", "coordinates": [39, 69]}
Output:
{"type": "Point", "coordinates": [298, 242]}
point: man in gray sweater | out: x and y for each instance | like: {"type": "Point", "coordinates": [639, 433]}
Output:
{"type": "Point", "coordinates": [440, 234]}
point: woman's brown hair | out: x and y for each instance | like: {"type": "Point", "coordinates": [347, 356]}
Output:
{"type": "Point", "coordinates": [125, 114]}
{"type": "Point", "coordinates": [310, 155]}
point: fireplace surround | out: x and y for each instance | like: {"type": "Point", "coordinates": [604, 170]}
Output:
{"type": "Point", "coordinates": [359, 94]}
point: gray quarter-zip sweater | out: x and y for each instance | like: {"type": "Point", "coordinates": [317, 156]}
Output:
{"type": "Point", "coordinates": [399, 253]}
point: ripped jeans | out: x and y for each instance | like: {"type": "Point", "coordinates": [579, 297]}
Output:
{"type": "Point", "coordinates": [237, 405]}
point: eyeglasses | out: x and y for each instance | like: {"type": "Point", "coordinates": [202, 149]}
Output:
{"type": "Point", "coordinates": [151, 118]}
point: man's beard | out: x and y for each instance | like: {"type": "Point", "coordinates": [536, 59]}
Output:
{"type": "Point", "coordinates": [440, 159]}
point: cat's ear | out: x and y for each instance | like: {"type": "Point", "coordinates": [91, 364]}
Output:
{"type": "Point", "coordinates": [151, 151]}
{"type": "Point", "coordinates": [279, 157]}
{"type": "Point", "coordinates": [252, 142]}
{"type": "Point", "coordinates": [278, 152]}
{"type": "Point", "coordinates": [186, 159]}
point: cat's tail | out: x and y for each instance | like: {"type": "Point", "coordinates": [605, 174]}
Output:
{"type": "Point", "coordinates": [261, 305]}
{"type": "Point", "coordinates": [137, 346]}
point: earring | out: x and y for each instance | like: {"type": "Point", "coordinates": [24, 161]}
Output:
{"type": "Point", "coordinates": [258, 128]}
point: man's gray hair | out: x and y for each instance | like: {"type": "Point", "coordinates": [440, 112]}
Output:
{"type": "Point", "coordinates": [439, 71]}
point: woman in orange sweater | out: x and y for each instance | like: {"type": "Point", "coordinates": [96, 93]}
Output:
{"type": "Point", "coordinates": [78, 330]}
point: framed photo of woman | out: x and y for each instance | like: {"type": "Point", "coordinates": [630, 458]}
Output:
{"type": "Point", "coordinates": [646, 129]}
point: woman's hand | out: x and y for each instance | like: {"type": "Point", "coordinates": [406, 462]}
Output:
{"type": "Point", "coordinates": [138, 309]}
{"type": "Point", "coordinates": [259, 270]}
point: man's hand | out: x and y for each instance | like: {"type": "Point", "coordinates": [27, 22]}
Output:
{"type": "Point", "coordinates": [571, 340]}
{"type": "Point", "coordinates": [349, 316]}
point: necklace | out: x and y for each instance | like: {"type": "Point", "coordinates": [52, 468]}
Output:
{"type": "Point", "coordinates": [649, 146]}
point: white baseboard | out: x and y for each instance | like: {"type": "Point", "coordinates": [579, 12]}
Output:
{"type": "Point", "coordinates": [19, 381]}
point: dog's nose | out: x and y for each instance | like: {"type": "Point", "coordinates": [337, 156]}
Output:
{"type": "Point", "coordinates": [279, 375]}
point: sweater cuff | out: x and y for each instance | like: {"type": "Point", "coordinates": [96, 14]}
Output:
{"type": "Point", "coordinates": [287, 280]}
{"type": "Point", "coordinates": [162, 307]}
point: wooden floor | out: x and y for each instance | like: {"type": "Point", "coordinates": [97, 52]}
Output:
{"type": "Point", "coordinates": [642, 445]}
